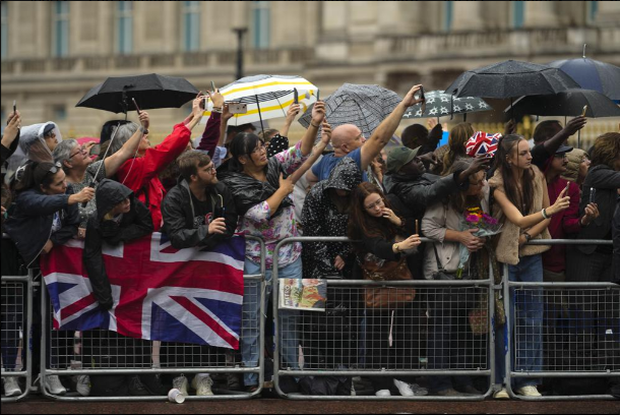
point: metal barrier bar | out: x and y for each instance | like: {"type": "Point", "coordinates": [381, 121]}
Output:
{"type": "Point", "coordinates": [352, 372]}
{"type": "Point", "coordinates": [237, 369]}
{"type": "Point", "coordinates": [27, 373]}
{"type": "Point", "coordinates": [511, 371]}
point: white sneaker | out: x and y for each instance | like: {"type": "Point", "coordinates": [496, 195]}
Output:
{"type": "Point", "coordinates": [403, 388]}
{"type": "Point", "coordinates": [531, 391]}
{"type": "Point", "coordinates": [82, 385]}
{"type": "Point", "coordinates": [202, 382]}
{"type": "Point", "coordinates": [501, 394]}
{"type": "Point", "coordinates": [11, 386]}
{"type": "Point", "coordinates": [383, 393]}
{"type": "Point", "coordinates": [54, 386]}
{"type": "Point", "coordinates": [181, 383]}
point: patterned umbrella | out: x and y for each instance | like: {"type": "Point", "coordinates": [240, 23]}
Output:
{"type": "Point", "coordinates": [438, 104]}
{"type": "Point", "coordinates": [267, 96]}
{"type": "Point", "coordinates": [362, 105]}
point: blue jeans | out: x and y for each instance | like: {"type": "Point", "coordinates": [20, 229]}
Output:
{"type": "Point", "coordinates": [287, 329]}
{"type": "Point", "coordinates": [527, 350]}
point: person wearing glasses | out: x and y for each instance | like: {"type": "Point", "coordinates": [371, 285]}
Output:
{"type": "Point", "coordinates": [82, 172]}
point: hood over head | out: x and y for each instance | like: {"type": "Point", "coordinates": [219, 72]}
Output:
{"type": "Point", "coordinates": [345, 176]}
{"type": "Point", "coordinates": [109, 194]}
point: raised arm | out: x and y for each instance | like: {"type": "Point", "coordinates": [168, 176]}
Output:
{"type": "Point", "coordinates": [574, 125]}
{"type": "Point", "coordinates": [326, 136]}
{"type": "Point", "coordinates": [525, 222]}
{"type": "Point", "coordinates": [382, 135]}
{"type": "Point", "coordinates": [318, 114]}
{"type": "Point", "coordinates": [292, 112]}
{"type": "Point", "coordinates": [129, 149]}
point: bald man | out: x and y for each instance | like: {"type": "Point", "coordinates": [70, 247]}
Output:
{"type": "Point", "coordinates": [349, 141]}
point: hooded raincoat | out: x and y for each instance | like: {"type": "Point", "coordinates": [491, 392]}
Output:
{"type": "Point", "coordinates": [132, 225]}
{"type": "Point", "coordinates": [321, 217]}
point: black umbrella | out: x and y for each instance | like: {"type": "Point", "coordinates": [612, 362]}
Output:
{"type": "Point", "coordinates": [569, 103]}
{"type": "Point", "coordinates": [150, 91]}
{"type": "Point", "coordinates": [510, 79]}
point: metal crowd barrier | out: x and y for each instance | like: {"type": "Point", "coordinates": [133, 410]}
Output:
{"type": "Point", "coordinates": [347, 333]}
{"type": "Point", "coordinates": [100, 352]}
{"type": "Point", "coordinates": [16, 323]}
{"type": "Point", "coordinates": [570, 344]}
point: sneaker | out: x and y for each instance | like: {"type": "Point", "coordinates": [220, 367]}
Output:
{"type": "Point", "coordinates": [530, 391]}
{"type": "Point", "coordinates": [202, 382]}
{"type": "Point", "coordinates": [11, 386]}
{"type": "Point", "coordinates": [54, 386]}
{"type": "Point", "coordinates": [181, 383]}
{"type": "Point", "coordinates": [501, 394]}
{"type": "Point", "coordinates": [403, 388]}
{"type": "Point", "coordinates": [383, 393]}
{"type": "Point", "coordinates": [82, 385]}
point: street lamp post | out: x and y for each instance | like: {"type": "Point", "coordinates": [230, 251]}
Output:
{"type": "Point", "coordinates": [240, 32]}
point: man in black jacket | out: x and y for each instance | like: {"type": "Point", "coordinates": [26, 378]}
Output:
{"type": "Point", "coordinates": [198, 212]}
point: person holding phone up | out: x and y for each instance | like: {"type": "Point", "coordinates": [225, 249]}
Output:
{"type": "Point", "coordinates": [566, 222]}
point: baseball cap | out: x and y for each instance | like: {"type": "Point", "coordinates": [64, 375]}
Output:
{"type": "Point", "coordinates": [399, 157]}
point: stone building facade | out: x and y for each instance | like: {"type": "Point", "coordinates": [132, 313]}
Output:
{"type": "Point", "coordinates": [54, 52]}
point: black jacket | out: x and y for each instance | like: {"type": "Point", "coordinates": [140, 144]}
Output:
{"type": "Point", "coordinates": [30, 223]}
{"type": "Point", "coordinates": [320, 217]}
{"type": "Point", "coordinates": [417, 194]}
{"type": "Point", "coordinates": [249, 192]}
{"type": "Point", "coordinates": [606, 181]}
{"type": "Point", "coordinates": [178, 212]}
{"type": "Point", "coordinates": [133, 225]}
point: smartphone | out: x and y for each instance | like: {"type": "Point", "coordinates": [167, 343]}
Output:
{"type": "Point", "coordinates": [295, 96]}
{"type": "Point", "coordinates": [14, 106]}
{"type": "Point", "coordinates": [213, 86]}
{"type": "Point", "coordinates": [423, 98]}
{"type": "Point", "coordinates": [317, 95]}
{"type": "Point", "coordinates": [585, 109]}
{"type": "Point", "coordinates": [592, 195]}
{"type": "Point", "coordinates": [237, 108]}
{"type": "Point", "coordinates": [136, 104]}
{"type": "Point", "coordinates": [567, 186]}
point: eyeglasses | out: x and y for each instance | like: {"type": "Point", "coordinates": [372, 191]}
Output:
{"type": "Point", "coordinates": [81, 150]}
{"type": "Point", "coordinates": [260, 147]}
{"type": "Point", "coordinates": [212, 169]}
{"type": "Point", "coordinates": [374, 205]}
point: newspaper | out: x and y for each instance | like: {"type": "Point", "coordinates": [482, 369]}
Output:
{"type": "Point", "coordinates": [302, 294]}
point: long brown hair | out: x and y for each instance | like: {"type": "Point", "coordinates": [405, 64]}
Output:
{"type": "Point", "coordinates": [361, 224]}
{"type": "Point", "coordinates": [459, 135]}
{"type": "Point", "coordinates": [606, 149]}
{"type": "Point", "coordinates": [522, 201]}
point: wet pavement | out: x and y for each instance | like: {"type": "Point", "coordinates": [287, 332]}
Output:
{"type": "Point", "coordinates": [37, 405]}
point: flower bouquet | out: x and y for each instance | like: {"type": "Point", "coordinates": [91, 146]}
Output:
{"type": "Point", "coordinates": [475, 218]}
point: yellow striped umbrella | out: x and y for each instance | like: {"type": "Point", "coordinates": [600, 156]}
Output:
{"type": "Point", "coordinates": [267, 96]}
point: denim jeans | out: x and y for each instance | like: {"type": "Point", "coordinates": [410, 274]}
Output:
{"type": "Point", "coordinates": [287, 329]}
{"type": "Point", "coordinates": [527, 350]}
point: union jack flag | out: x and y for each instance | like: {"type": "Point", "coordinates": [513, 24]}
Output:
{"type": "Point", "coordinates": [160, 293]}
{"type": "Point", "coordinates": [482, 144]}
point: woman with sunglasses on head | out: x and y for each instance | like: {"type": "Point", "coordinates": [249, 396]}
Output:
{"type": "Point", "coordinates": [46, 212]}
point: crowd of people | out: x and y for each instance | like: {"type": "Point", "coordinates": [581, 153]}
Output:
{"type": "Point", "coordinates": [231, 180]}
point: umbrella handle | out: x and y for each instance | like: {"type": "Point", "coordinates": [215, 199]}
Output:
{"type": "Point", "coordinates": [260, 116]}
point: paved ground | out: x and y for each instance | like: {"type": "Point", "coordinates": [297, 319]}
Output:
{"type": "Point", "coordinates": [35, 405]}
